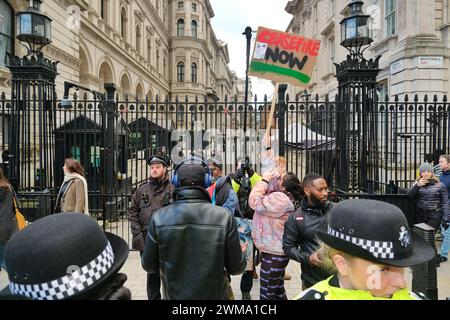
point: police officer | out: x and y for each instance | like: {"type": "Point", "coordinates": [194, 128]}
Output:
{"type": "Point", "coordinates": [368, 244]}
{"type": "Point", "coordinates": [149, 197]}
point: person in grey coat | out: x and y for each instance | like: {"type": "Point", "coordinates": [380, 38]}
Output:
{"type": "Point", "coordinates": [431, 197]}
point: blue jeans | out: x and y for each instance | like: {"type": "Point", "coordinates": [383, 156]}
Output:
{"type": "Point", "coordinates": [446, 242]}
{"type": "Point", "coordinates": [2, 257]}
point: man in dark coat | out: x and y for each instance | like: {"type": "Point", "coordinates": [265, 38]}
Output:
{"type": "Point", "coordinates": [149, 197]}
{"type": "Point", "coordinates": [299, 239]}
{"type": "Point", "coordinates": [193, 243]}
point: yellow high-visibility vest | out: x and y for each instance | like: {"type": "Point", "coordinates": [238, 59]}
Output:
{"type": "Point", "coordinates": [324, 291]}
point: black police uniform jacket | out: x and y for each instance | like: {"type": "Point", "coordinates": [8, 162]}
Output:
{"type": "Point", "coordinates": [192, 243]}
{"type": "Point", "coordinates": [148, 198]}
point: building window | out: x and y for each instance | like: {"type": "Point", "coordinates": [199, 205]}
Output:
{"type": "Point", "coordinates": [75, 153]}
{"type": "Point", "coordinates": [194, 72]}
{"type": "Point", "coordinates": [104, 10]}
{"type": "Point", "coordinates": [164, 67]}
{"type": "Point", "coordinates": [383, 90]}
{"type": "Point", "coordinates": [180, 28]}
{"type": "Point", "coordinates": [194, 7]}
{"type": "Point", "coordinates": [389, 17]}
{"type": "Point", "coordinates": [332, 7]}
{"type": "Point", "coordinates": [180, 6]}
{"type": "Point", "coordinates": [164, 13]}
{"type": "Point", "coordinates": [6, 32]}
{"type": "Point", "coordinates": [180, 71]}
{"type": "Point", "coordinates": [332, 52]}
{"type": "Point", "coordinates": [138, 39]}
{"type": "Point", "coordinates": [157, 60]}
{"type": "Point", "coordinates": [194, 28]}
{"type": "Point", "coordinates": [149, 51]}
{"type": "Point", "coordinates": [95, 157]}
{"type": "Point", "coordinates": [136, 140]}
{"type": "Point", "coordinates": [123, 24]}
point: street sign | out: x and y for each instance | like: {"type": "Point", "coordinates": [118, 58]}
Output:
{"type": "Point", "coordinates": [431, 62]}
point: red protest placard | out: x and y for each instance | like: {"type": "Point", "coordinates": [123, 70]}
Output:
{"type": "Point", "coordinates": [283, 57]}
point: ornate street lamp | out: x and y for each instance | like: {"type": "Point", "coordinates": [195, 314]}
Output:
{"type": "Point", "coordinates": [33, 96]}
{"type": "Point", "coordinates": [355, 31]}
{"type": "Point", "coordinates": [33, 27]}
{"type": "Point", "coordinates": [357, 118]}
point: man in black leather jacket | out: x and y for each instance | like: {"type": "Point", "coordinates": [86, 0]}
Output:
{"type": "Point", "coordinates": [299, 239]}
{"type": "Point", "coordinates": [192, 243]}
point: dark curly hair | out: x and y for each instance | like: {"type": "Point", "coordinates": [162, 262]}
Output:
{"type": "Point", "coordinates": [292, 184]}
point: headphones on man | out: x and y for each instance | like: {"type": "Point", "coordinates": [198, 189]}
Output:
{"type": "Point", "coordinates": [193, 160]}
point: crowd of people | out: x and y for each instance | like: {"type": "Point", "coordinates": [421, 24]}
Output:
{"type": "Point", "coordinates": [199, 228]}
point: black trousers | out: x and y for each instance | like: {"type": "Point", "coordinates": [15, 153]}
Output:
{"type": "Point", "coordinates": [247, 281]}
{"type": "Point", "coordinates": [153, 285]}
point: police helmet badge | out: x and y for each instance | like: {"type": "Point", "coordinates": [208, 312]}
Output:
{"type": "Point", "coordinates": [405, 238]}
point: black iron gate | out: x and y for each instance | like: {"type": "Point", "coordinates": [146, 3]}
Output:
{"type": "Point", "coordinates": [383, 145]}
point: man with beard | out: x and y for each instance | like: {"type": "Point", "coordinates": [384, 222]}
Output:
{"type": "Point", "coordinates": [149, 197]}
{"type": "Point", "coordinates": [299, 239]}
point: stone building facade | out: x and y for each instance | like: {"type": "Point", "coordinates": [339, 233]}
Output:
{"type": "Point", "coordinates": [145, 47]}
{"type": "Point", "coordinates": [411, 35]}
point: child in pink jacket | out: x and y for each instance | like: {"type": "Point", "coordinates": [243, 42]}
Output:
{"type": "Point", "coordinates": [273, 199]}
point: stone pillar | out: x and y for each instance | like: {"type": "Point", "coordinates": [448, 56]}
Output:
{"type": "Point", "coordinates": [425, 13]}
{"type": "Point", "coordinates": [423, 17]}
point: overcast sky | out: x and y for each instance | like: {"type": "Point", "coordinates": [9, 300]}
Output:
{"type": "Point", "coordinates": [231, 18]}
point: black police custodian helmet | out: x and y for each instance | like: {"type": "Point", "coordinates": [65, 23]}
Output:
{"type": "Point", "coordinates": [63, 256]}
{"type": "Point", "coordinates": [376, 231]}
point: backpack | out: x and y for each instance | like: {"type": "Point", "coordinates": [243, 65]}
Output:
{"type": "Point", "coordinates": [243, 194]}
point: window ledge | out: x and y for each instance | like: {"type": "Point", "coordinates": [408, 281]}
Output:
{"type": "Point", "coordinates": [4, 73]}
{"type": "Point", "coordinates": [327, 75]}
{"type": "Point", "coordinates": [328, 29]}
{"type": "Point", "coordinates": [383, 45]}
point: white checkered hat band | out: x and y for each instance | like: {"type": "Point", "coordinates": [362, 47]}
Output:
{"type": "Point", "coordinates": [379, 249]}
{"type": "Point", "coordinates": [67, 286]}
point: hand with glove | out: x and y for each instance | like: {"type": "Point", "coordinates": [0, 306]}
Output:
{"type": "Point", "coordinates": [445, 224]}
{"type": "Point", "coordinates": [113, 289]}
{"type": "Point", "coordinates": [248, 167]}
{"type": "Point", "coordinates": [239, 175]}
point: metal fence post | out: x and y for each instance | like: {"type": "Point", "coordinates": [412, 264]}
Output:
{"type": "Point", "coordinates": [33, 98]}
{"type": "Point", "coordinates": [110, 152]}
{"type": "Point", "coordinates": [281, 118]}
{"type": "Point", "coordinates": [425, 275]}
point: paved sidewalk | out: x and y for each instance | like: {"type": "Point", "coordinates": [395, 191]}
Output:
{"type": "Point", "coordinates": [137, 280]}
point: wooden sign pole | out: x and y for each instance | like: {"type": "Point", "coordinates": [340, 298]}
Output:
{"type": "Point", "coordinates": [272, 110]}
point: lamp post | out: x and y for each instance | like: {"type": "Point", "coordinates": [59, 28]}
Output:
{"type": "Point", "coordinates": [248, 35]}
{"type": "Point", "coordinates": [357, 82]}
{"type": "Point", "coordinates": [355, 31]}
{"type": "Point", "coordinates": [33, 97]}
{"type": "Point", "coordinates": [33, 27]}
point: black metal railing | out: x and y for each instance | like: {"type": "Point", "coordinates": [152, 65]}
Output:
{"type": "Point", "coordinates": [385, 142]}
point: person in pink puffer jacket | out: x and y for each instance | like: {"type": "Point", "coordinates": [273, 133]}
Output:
{"type": "Point", "coordinates": [273, 199]}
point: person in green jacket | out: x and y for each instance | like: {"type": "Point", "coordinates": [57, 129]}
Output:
{"type": "Point", "coordinates": [368, 245]}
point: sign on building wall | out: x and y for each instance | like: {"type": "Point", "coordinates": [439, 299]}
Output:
{"type": "Point", "coordinates": [283, 57]}
{"type": "Point", "coordinates": [397, 66]}
{"type": "Point", "coordinates": [431, 62]}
